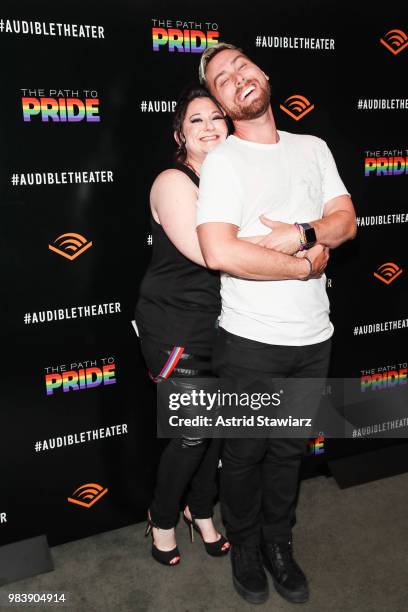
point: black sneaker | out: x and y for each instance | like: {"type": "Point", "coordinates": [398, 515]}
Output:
{"type": "Point", "coordinates": [288, 578]}
{"type": "Point", "coordinates": [248, 574]}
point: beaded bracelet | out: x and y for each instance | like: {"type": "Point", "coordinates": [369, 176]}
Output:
{"type": "Point", "coordinates": [302, 236]}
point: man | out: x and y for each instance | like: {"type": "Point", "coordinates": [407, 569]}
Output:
{"type": "Point", "coordinates": [278, 327]}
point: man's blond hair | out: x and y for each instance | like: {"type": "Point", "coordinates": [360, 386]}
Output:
{"type": "Point", "coordinates": [208, 55]}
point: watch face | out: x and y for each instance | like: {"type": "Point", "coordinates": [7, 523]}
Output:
{"type": "Point", "coordinates": [310, 235]}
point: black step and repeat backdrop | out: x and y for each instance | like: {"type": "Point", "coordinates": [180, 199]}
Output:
{"type": "Point", "coordinates": [88, 92]}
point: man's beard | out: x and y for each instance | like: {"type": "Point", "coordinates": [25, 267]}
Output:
{"type": "Point", "coordinates": [255, 109]}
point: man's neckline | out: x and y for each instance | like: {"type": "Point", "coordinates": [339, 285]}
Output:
{"type": "Point", "coordinates": [258, 145]}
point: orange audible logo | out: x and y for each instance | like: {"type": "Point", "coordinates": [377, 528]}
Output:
{"type": "Point", "coordinates": [70, 245]}
{"type": "Point", "coordinates": [297, 106]}
{"type": "Point", "coordinates": [87, 495]}
{"type": "Point", "coordinates": [388, 272]}
{"type": "Point", "coordinates": [395, 41]}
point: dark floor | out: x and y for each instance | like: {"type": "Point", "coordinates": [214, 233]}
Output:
{"type": "Point", "coordinates": [351, 543]}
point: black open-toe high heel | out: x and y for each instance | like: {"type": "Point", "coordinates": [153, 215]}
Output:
{"type": "Point", "coordinates": [166, 557]}
{"type": "Point", "coordinates": [215, 549]}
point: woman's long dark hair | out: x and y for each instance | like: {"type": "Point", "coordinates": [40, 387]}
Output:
{"type": "Point", "coordinates": [189, 94]}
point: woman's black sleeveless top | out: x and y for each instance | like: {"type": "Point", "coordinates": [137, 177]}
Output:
{"type": "Point", "coordinates": [179, 301]}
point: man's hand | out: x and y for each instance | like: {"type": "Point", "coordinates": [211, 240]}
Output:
{"type": "Point", "coordinates": [319, 256]}
{"type": "Point", "coordinates": [283, 238]}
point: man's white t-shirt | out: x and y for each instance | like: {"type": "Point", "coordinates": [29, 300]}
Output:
{"type": "Point", "coordinates": [289, 181]}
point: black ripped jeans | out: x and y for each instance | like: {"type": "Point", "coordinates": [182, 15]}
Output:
{"type": "Point", "coordinates": [187, 465]}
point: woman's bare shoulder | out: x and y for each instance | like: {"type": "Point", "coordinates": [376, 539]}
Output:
{"type": "Point", "coordinates": [171, 176]}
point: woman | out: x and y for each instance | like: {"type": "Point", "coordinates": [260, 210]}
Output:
{"type": "Point", "coordinates": [179, 302]}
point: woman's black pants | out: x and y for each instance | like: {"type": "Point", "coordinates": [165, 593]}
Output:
{"type": "Point", "coordinates": [187, 465]}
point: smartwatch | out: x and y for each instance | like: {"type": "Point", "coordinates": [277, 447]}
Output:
{"type": "Point", "coordinates": [310, 235]}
